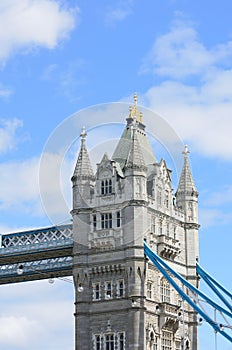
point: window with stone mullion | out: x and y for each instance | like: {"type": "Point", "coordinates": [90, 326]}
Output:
{"type": "Point", "coordinates": [166, 341]}
{"type": "Point", "coordinates": [97, 342]}
{"type": "Point", "coordinates": [109, 342]}
{"type": "Point", "coordinates": [106, 186]}
{"type": "Point", "coordinates": [165, 291]}
{"type": "Point", "coordinates": [106, 221]}
{"type": "Point", "coordinates": [121, 341]}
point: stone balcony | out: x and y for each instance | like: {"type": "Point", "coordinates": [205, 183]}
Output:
{"type": "Point", "coordinates": [168, 247]}
{"type": "Point", "coordinates": [169, 316]}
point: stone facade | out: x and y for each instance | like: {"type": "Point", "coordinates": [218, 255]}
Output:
{"type": "Point", "coordinates": [122, 300]}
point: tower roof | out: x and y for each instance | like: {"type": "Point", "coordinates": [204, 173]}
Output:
{"type": "Point", "coordinates": [83, 168]}
{"type": "Point", "coordinates": [121, 153]}
{"type": "Point", "coordinates": [186, 183]}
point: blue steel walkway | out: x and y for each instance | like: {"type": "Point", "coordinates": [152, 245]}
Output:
{"type": "Point", "coordinates": [36, 254]}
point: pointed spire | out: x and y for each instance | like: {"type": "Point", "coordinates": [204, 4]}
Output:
{"type": "Point", "coordinates": [121, 153]}
{"type": "Point", "coordinates": [135, 158]}
{"type": "Point", "coordinates": [186, 183]}
{"type": "Point", "coordinates": [83, 169]}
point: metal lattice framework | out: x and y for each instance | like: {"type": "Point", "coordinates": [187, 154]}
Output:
{"type": "Point", "coordinates": [192, 297]}
{"type": "Point", "coordinates": [40, 254]}
{"type": "Point", "coordinates": [46, 235]}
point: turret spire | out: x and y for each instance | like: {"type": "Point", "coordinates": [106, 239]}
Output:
{"type": "Point", "coordinates": [135, 157]}
{"type": "Point", "coordinates": [83, 169]}
{"type": "Point", "coordinates": [186, 183]}
{"type": "Point", "coordinates": [121, 153]}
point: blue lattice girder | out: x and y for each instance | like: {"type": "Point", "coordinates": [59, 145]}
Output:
{"type": "Point", "coordinates": [42, 253]}
{"type": "Point", "coordinates": [166, 270]}
{"type": "Point", "coordinates": [35, 270]}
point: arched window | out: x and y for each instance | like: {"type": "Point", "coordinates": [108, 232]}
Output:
{"type": "Point", "coordinates": [165, 290]}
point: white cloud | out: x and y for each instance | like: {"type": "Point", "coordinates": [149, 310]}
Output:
{"type": "Point", "coordinates": [28, 23]}
{"type": "Point", "coordinates": [220, 197]}
{"type": "Point", "coordinates": [55, 186]}
{"type": "Point", "coordinates": [19, 186]}
{"type": "Point", "coordinates": [5, 92]}
{"type": "Point", "coordinates": [179, 53]}
{"type": "Point", "coordinates": [212, 217]}
{"type": "Point", "coordinates": [199, 110]}
{"type": "Point", "coordinates": [199, 117]}
{"type": "Point", "coordinates": [119, 12]}
{"type": "Point", "coordinates": [68, 80]}
{"type": "Point", "coordinates": [25, 193]}
{"type": "Point", "coordinates": [22, 329]}
{"type": "Point", "coordinates": [8, 133]}
{"type": "Point", "coordinates": [39, 313]}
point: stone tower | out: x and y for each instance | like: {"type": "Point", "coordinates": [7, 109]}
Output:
{"type": "Point", "coordinates": [122, 301]}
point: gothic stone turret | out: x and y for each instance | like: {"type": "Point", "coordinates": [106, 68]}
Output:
{"type": "Point", "coordinates": [122, 300]}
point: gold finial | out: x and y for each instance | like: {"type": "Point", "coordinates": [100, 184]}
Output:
{"type": "Point", "coordinates": [133, 111]}
{"type": "Point", "coordinates": [135, 99]}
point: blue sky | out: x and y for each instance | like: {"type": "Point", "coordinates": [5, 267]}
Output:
{"type": "Point", "coordinates": [60, 57]}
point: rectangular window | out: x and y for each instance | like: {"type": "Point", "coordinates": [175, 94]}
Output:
{"type": "Point", "coordinates": [97, 342]}
{"type": "Point", "coordinates": [155, 344]}
{"type": "Point", "coordinates": [166, 341]}
{"type": "Point", "coordinates": [108, 290]}
{"type": "Point", "coordinates": [161, 228]}
{"type": "Point", "coordinates": [167, 229]}
{"type": "Point", "coordinates": [174, 232]}
{"type": "Point", "coordinates": [106, 186]}
{"type": "Point", "coordinates": [97, 291]}
{"type": "Point", "coordinates": [166, 200]}
{"type": "Point", "coordinates": [149, 290]}
{"type": "Point", "coordinates": [94, 222]}
{"type": "Point", "coordinates": [159, 197]}
{"type": "Point", "coordinates": [121, 341]}
{"type": "Point", "coordinates": [109, 342]}
{"type": "Point", "coordinates": [110, 186]}
{"type": "Point", "coordinates": [165, 291]}
{"type": "Point", "coordinates": [103, 187]}
{"type": "Point", "coordinates": [178, 345]}
{"type": "Point", "coordinates": [120, 288]}
{"type": "Point", "coordinates": [153, 225]}
{"type": "Point", "coordinates": [118, 222]}
{"type": "Point", "coordinates": [106, 220]}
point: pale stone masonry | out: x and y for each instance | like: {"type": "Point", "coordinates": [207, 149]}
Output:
{"type": "Point", "coordinates": [122, 300]}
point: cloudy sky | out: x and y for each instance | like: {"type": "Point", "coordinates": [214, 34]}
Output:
{"type": "Point", "coordinates": [61, 57]}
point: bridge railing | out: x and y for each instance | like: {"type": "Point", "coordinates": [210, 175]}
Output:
{"type": "Point", "coordinates": [36, 239]}
{"type": "Point", "coordinates": [62, 243]}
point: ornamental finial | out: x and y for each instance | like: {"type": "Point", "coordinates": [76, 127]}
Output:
{"type": "Point", "coordinates": [133, 111]}
{"type": "Point", "coordinates": [186, 151]}
{"type": "Point", "coordinates": [135, 99]}
{"type": "Point", "coordinates": [83, 133]}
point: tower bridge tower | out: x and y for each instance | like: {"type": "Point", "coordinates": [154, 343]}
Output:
{"type": "Point", "coordinates": [122, 300]}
